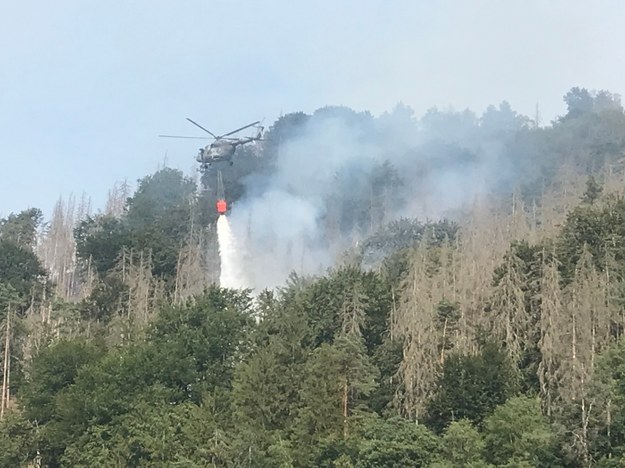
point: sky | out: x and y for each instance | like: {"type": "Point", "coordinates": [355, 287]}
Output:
{"type": "Point", "coordinates": [86, 87]}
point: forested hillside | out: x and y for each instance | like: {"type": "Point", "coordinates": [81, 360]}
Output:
{"type": "Point", "coordinates": [457, 299]}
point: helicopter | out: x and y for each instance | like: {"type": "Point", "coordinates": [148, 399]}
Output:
{"type": "Point", "coordinates": [224, 146]}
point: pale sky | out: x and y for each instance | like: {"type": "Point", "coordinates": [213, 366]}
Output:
{"type": "Point", "coordinates": [86, 86]}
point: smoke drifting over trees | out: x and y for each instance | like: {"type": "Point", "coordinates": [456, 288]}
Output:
{"type": "Point", "coordinates": [477, 288]}
{"type": "Point", "coordinates": [325, 181]}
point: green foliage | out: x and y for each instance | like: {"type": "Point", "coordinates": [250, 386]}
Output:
{"type": "Point", "coordinates": [598, 228]}
{"type": "Point", "coordinates": [182, 435]}
{"type": "Point", "coordinates": [588, 137]}
{"type": "Point", "coordinates": [518, 433]}
{"type": "Point", "coordinates": [266, 386]}
{"type": "Point", "coordinates": [472, 386]}
{"type": "Point", "coordinates": [395, 443]}
{"type": "Point", "coordinates": [158, 219]}
{"type": "Point", "coordinates": [609, 390]}
{"type": "Point", "coordinates": [54, 369]}
{"type": "Point", "coordinates": [160, 216]}
{"type": "Point", "coordinates": [363, 196]}
{"type": "Point", "coordinates": [22, 271]}
{"type": "Point", "coordinates": [501, 123]}
{"type": "Point", "coordinates": [611, 462]}
{"type": "Point", "coordinates": [159, 195]}
{"type": "Point", "coordinates": [593, 191]}
{"type": "Point", "coordinates": [210, 333]}
{"type": "Point", "coordinates": [83, 400]}
{"type": "Point", "coordinates": [326, 297]}
{"type": "Point", "coordinates": [21, 228]}
{"type": "Point", "coordinates": [528, 258]}
{"type": "Point", "coordinates": [280, 454]}
{"type": "Point", "coordinates": [267, 383]}
{"type": "Point", "coordinates": [387, 359]}
{"type": "Point", "coordinates": [310, 350]}
{"type": "Point", "coordinates": [100, 240]}
{"type": "Point", "coordinates": [522, 269]}
{"type": "Point", "coordinates": [18, 440]}
{"type": "Point", "coordinates": [377, 442]}
{"type": "Point", "coordinates": [105, 300]}
{"type": "Point", "coordinates": [286, 127]}
{"type": "Point", "coordinates": [462, 444]}
{"type": "Point", "coordinates": [320, 302]}
{"type": "Point", "coordinates": [337, 378]}
{"type": "Point", "coordinates": [398, 236]}
{"type": "Point", "coordinates": [581, 102]}
{"type": "Point", "coordinates": [9, 298]}
{"type": "Point", "coordinates": [108, 389]}
{"type": "Point", "coordinates": [314, 382]}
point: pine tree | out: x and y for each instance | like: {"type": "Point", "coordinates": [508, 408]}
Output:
{"type": "Point", "coordinates": [588, 332]}
{"type": "Point", "coordinates": [552, 326]}
{"type": "Point", "coordinates": [192, 273]}
{"type": "Point", "coordinates": [57, 247]}
{"type": "Point", "coordinates": [9, 300]}
{"type": "Point", "coordinates": [415, 323]}
{"type": "Point", "coordinates": [510, 318]}
{"type": "Point", "coordinates": [117, 198]}
{"type": "Point", "coordinates": [593, 191]}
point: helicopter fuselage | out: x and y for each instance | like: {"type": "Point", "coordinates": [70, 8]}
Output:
{"type": "Point", "coordinates": [222, 150]}
{"type": "Point", "coordinates": [218, 151]}
{"type": "Point", "coordinates": [224, 146]}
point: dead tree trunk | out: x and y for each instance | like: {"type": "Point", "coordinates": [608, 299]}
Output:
{"type": "Point", "coordinates": [6, 366]}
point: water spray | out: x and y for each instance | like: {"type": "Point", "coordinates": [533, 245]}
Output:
{"type": "Point", "coordinates": [231, 275]}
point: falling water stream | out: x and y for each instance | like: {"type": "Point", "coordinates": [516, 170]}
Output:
{"type": "Point", "coordinates": [231, 275]}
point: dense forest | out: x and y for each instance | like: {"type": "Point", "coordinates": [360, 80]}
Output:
{"type": "Point", "coordinates": [470, 316]}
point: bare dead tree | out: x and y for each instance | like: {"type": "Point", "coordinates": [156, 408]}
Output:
{"type": "Point", "coordinates": [479, 248]}
{"type": "Point", "coordinates": [415, 323]}
{"type": "Point", "coordinates": [6, 367]}
{"type": "Point", "coordinates": [192, 272]}
{"type": "Point", "coordinates": [587, 325]}
{"type": "Point", "coordinates": [143, 295]}
{"type": "Point", "coordinates": [117, 198]}
{"type": "Point", "coordinates": [552, 316]}
{"type": "Point", "coordinates": [510, 320]}
{"type": "Point", "coordinates": [57, 246]}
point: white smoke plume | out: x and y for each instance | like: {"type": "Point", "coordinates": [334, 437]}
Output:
{"type": "Point", "coordinates": [301, 214]}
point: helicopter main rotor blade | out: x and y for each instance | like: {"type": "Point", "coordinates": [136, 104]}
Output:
{"type": "Point", "coordinates": [207, 131]}
{"type": "Point", "coordinates": [178, 136]}
{"type": "Point", "coordinates": [242, 128]}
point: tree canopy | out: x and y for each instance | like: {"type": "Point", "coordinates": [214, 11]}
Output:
{"type": "Point", "coordinates": [491, 335]}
